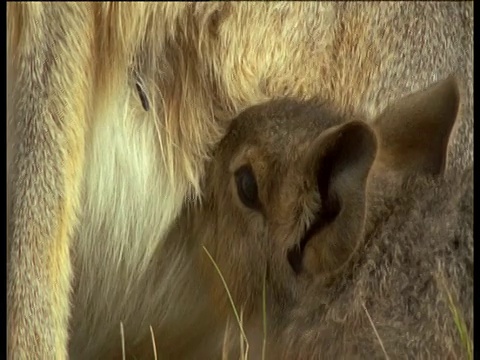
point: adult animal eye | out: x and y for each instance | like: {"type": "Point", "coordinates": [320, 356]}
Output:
{"type": "Point", "coordinates": [247, 187]}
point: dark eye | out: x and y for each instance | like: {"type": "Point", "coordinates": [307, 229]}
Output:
{"type": "Point", "coordinates": [247, 187]}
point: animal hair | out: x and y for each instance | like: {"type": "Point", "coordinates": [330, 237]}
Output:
{"type": "Point", "coordinates": [391, 256]}
{"type": "Point", "coordinates": [96, 178]}
{"type": "Point", "coordinates": [414, 275]}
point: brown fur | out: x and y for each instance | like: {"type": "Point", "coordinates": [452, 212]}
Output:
{"type": "Point", "coordinates": [413, 229]}
{"type": "Point", "coordinates": [95, 181]}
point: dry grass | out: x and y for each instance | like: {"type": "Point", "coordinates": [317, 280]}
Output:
{"type": "Point", "coordinates": [243, 343]}
{"type": "Point", "coordinates": [264, 314]}
{"type": "Point", "coordinates": [376, 332]}
{"type": "Point", "coordinates": [153, 344]}
{"type": "Point", "coordinates": [122, 334]}
{"type": "Point", "coordinates": [244, 346]}
{"type": "Point", "coordinates": [465, 336]}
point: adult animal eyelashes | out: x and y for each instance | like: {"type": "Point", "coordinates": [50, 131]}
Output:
{"type": "Point", "coordinates": [140, 86]}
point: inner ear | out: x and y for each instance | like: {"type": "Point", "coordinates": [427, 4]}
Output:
{"type": "Point", "coordinates": [344, 164]}
{"type": "Point", "coordinates": [341, 160]}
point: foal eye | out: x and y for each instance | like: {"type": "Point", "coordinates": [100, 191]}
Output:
{"type": "Point", "coordinates": [247, 187]}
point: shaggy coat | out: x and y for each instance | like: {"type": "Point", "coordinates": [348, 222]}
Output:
{"type": "Point", "coordinates": [114, 108]}
{"type": "Point", "coordinates": [361, 244]}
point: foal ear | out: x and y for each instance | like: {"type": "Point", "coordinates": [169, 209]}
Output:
{"type": "Point", "coordinates": [414, 131]}
{"type": "Point", "coordinates": [340, 160]}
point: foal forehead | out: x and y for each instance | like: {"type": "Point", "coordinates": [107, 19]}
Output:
{"type": "Point", "coordinates": [282, 125]}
